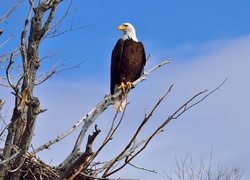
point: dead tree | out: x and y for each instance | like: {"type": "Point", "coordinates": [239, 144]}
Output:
{"type": "Point", "coordinates": [27, 106]}
{"type": "Point", "coordinates": [16, 162]}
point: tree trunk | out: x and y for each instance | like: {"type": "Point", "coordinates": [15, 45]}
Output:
{"type": "Point", "coordinates": [21, 129]}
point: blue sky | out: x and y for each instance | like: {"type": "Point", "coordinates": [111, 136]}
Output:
{"type": "Point", "coordinates": [207, 41]}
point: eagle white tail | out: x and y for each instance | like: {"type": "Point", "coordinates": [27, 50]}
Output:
{"type": "Point", "coordinates": [120, 103]}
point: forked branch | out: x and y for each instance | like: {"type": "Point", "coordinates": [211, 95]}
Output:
{"type": "Point", "coordinates": [78, 163]}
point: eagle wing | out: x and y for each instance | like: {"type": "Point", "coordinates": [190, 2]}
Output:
{"type": "Point", "coordinates": [133, 61]}
{"type": "Point", "coordinates": [115, 64]}
{"type": "Point", "coordinates": [127, 62]}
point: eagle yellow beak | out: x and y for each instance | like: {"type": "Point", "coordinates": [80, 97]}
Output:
{"type": "Point", "coordinates": [121, 27]}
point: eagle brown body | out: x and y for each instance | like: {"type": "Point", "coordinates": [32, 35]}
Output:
{"type": "Point", "coordinates": [127, 63]}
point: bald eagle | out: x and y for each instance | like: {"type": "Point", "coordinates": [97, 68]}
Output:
{"type": "Point", "coordinates": [127, 64]}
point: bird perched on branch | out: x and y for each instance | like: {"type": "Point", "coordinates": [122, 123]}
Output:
{"type": "Point", "coordinates": [127, 64]}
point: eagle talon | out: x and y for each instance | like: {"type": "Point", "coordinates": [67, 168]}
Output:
{"type": "Point", "coordinates": [130, 85]}
{"type": "Point", "coordinates": [122, 87]}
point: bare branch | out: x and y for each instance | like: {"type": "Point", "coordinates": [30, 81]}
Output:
{"type": "Point", "coordinates": [52, 5]}
{"type": "Point", "coordinates": [53, 30]}
{"type": "Point", "coordinates": [185, 108]}
{"type": "Point", "coordinates": [144, 75]}
{"type": "Point", "coordinates": [11, 10]}
{"type": "Point", "coordinates": [42, 78]}
{"type": "Point", "coordinates": [10, 158]}
{"type": "Point", "coordinates": [7, 40]}
{"type": "Point", "coordinates": [149, 56]}
{"type": "Point", "coordinates": [7, 72]}
{"type": "Point", "coordinates": [23, 47]}
{"type": "Point", "coordinates": [56, 33]}
{"type": "Point", "coordinates": [142, 168]}
{"type": "Point", "coordinates": [6, 56]}
{"type": "Point", "coordinates": [4, 85]}
{"type": "Point", "coordinates": [70, 68]}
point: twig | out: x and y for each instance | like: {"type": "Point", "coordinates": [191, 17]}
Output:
{"type": "Point", "coordinates": [149, 56]}
{"type": "Point", "coordinates": [60, 137]}
{"type": "Point", "coordinates": [10, 158]}
{"type": "Point", "coordinates": [6, 56]}
{"type": "Point", "coordinates": [7, 40]}
{"type": "Point", "coordinates": [53, 71]}
{"type": "Point", "coordinates": [11, 10]}
{"type": "Point", "coordinates": [144, 75]}
{"type": "Point", "coordinates": [7, 72]}
{"type": "Point", "coordinates": [141, 168]}
{"type": "Point", "coordinates": [23, 47]}
{"type": "Point", "coordinates": [187, 108]}
{"type": "Point", "coordinates": [70, 68]}
{"type": "Point", "coordinates": [46, 77]}
{"type": "Point", "coordinates": [55, 32]}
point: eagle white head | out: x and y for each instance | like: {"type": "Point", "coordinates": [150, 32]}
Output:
{"type": "Point", "coordinates": [128, 31]}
